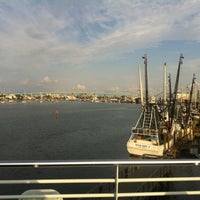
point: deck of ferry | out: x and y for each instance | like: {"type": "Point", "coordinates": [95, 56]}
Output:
{"type": "Point", "coordinates": [114, 179]}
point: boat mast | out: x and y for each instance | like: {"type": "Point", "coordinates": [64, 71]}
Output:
{"type": "Point", "coordinates": [191, 92]}
{"type": "Point", "coordinates": [176, 86]}
{"type": "Point", "coordinates": [140, 83]}
{"type": "Point", "coordinates": [146, 80]}
{"type": "Point", "coordinates": [164, 84]}
{"type": "Point", "coordinates": [170, 98]}
{"type": "Point", "coordinates": [198, 100]}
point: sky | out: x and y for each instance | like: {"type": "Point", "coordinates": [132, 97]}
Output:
{"type": "Point", "coordinates": [96, 45]}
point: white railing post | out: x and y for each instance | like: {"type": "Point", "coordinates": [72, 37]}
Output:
{"type": "Point", "coordinates": [116, 181]}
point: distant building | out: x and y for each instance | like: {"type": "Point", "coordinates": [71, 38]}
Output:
{"type": "Point", "coordinates": [71, 97]}
{"type": "Point", "coordinates": [94, 98]}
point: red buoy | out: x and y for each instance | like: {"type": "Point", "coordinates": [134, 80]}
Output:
{"type": "Point", "coordinates": [56, 113]}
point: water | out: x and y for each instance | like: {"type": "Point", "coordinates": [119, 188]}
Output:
{"type": "Point", "coordinates": [83, 130]}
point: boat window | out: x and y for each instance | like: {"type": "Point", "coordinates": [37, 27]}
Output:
{"type": "Point", "coordinates": [140, 130]}
{"type": "Point", "coordinates": [154, 137]}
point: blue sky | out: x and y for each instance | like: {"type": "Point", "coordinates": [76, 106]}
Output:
{"type": "Point", "coordinates": [96, 45]}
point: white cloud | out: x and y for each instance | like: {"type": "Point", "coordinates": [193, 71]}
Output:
{"type": "Point", "coordinates": [40, 37]}
{"type": "Point", "coordinates": [80, 87]}
{"type": "Point", "coordinates": [147, 24]}
{"type": "Point", "coordinates": [46, 79]}
{"type": "Point", "coordinates": [106, 30]}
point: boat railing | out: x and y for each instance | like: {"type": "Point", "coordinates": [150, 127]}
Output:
{"type": "Point", "coordinates": [145, 131]}
{"type": "Point", "coordinates": [125, 178]}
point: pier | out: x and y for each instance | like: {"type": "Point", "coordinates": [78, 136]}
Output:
{"type": "Point", "coordinates": [117, 179]}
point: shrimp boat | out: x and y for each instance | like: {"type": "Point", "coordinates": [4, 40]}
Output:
{"type": "Point", "coordinates": [151, 135]}
{"type": "Point", "coordinates": [154, 133]}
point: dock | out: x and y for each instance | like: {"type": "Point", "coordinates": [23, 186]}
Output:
{"type": "Point", "coordinates": [187, 146]}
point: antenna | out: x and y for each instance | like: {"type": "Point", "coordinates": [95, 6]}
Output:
{"type": "Point", "coordinates": [164, 84]}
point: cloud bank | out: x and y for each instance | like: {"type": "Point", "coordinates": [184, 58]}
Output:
{"type": "Point", "coordinates": [61, 38]}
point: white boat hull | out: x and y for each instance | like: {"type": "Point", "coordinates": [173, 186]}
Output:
{"type": "Point", "coordinates": [141, 148]}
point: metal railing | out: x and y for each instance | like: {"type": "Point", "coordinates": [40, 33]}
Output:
{"type": "Point", "coordinates": [134, 179]}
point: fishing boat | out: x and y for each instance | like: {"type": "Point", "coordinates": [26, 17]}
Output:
{"type": "Point", "coordinates": [151, 135]}
{"type": "Point", "coordinates": [157, 127]}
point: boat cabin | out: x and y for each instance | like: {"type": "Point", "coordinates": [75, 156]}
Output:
{"type": "Point", "coordinates": [145, 134]}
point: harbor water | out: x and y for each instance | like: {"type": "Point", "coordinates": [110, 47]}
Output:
{"type": "Point", "coordinates": [66, 130]}
{"type": "Point", "coordinates": [62, 131]}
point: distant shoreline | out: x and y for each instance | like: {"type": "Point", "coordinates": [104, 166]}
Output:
{"type": "Point", "coordinates": [94, 98]}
